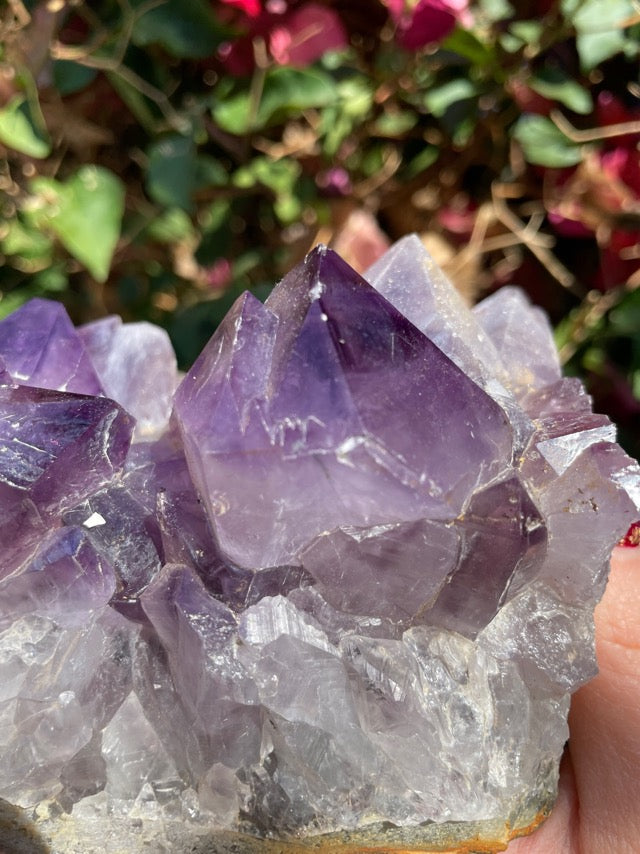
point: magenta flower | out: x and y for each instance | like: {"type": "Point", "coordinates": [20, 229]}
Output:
{"type": "Point", "coordinates": [219, 274]}
{"type": "Point", "coordinates": [251, 8]}
{"type": "Point", "coordinates": [306, 34]}
{"type": "Point", "coordinates": [334, 181]}
{"type": "Point", "coordinates": [295, 37]}
{"type": "Point", "coordinates": [428, 21]}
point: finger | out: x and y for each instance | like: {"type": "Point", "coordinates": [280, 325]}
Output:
{"type": "Point", "coordinates": [558, 835]}
{"type": "Point", "coordinates": [605, 719]}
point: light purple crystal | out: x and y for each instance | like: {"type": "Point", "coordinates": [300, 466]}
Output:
{"type": "Point", "coordinates": [137, 368]}
{"type": "Point", "coordinates": [40, 347]}
{"type": "Point", "coordinates": [346, 588]}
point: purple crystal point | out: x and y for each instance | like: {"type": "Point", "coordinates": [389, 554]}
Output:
{"type": "Point", "coordinates": [137, 368]}
{"type": "Point", "coordinates": [411, 280]}
{"type": "Point", "coordinates": [65, 580]}
{"type": "Point", "coordinates": [332, 422]}
{"type": "Point", "coordinates": [504, 545]}
{"type": "Point", "coordinates": [56, 449]}
{"type": "Point", "coordinates": [523, 338]}
{"type": "Point", "coordinates": [127, 535]}
{"type": "Point", "coordinates": [40, 347]}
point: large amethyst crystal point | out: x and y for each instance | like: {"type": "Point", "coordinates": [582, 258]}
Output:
{"type": "Point", "coordinates": [328, 428]}
{"type": "Point", "coordinates": [335, 594]}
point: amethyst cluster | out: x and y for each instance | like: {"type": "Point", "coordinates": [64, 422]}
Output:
{"type": "Point", "coordinates": [336, 583]}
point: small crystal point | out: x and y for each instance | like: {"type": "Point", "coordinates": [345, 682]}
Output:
{"type": "Point", "coordinates": [40, 347]}
{"type": "Point", "coordinates": [137, 368]}
{"type": "Point", "coordinates": [56, 449]}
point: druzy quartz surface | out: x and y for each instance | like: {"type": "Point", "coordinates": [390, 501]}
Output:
{"type": "Point", "coordinates": [334, 587]}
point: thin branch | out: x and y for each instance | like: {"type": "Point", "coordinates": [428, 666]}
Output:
{"type": "Point", "coordinates": [592, 134]}
{"type": "Point", "coordinates": [390, 166]}
{"type": "Point", "coordinates": [559, 272]}
{"type": "Point", "coordinates": [594, 307]}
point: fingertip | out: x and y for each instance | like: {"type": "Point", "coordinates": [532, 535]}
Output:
{"type": "Point", "coordinates": [617, 616]}
{"type": "Point", "coordinates": [605, 718]}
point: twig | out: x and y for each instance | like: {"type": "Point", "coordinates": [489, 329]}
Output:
{"type": "Point", "coordinates": [591, 134]}
{"type": "Point", "coordinates": [390, 166]}
{"type": "Point", "coordinates": [84, 55]}
{"type": "Point", "coordinates": [20, 13]}
{"type": "Point", "coordinates": [594, 307]}
{"type": "Point", "coordinates": [531, 240]}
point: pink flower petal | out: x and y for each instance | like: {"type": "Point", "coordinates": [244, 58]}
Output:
{"type": "Point", "coordinates": [251, 8]}
{"type": "Point", "coordinates": [307, 34]}
{"type": "Point", "coordinates": [431, 21]}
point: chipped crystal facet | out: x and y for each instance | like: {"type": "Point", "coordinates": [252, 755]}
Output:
{"type": "Point", "coordinates": [340, 583]}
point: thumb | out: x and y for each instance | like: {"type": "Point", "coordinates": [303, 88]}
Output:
{"type": "Point", "coordinates": [605, 719]}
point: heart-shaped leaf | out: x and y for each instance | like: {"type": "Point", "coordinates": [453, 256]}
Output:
{"type": "Point", "coordinates": [85, 213]}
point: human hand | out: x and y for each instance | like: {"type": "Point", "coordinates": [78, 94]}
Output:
{"type": "Point", "coordinates": [598, 807]}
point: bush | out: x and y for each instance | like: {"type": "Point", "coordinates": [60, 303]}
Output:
{"type": "Point", "coordinates": [160, 156]}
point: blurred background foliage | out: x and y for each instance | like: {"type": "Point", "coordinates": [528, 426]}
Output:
{"type": "Point", "coordinates": [158, 157]}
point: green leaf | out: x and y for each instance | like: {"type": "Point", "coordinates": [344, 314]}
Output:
{"type": "Point", "coordinates": [625, 317]}
{"type": "Point", "coordinates": [528, 32]}
{"type": "Point", "coordinates": [356, 96]}
{"type": "Point", "coordinates": [599, 26]}
{"type": "Point", "coordinates": [172, 226]}
{"type": "Point", "coordinates": [543, 144]}
{"type": "Point", "coordinates": [596, 16]}
{"type": "Point", "coordinates": [85, 213]}
{"type": "Point", "coordinates": [440, 98]}
{"type": "Point", "coordinates": [422, 161]}
{"type": "Point", "coordinates": [22, 129]}
{"type": "Point", "coordinates": [278, 175]}
{"type": "Point", "coordinates": [497, 10]}
{"type": "Point", "coordinates": [70, 77]}
{"type": "Point", "coordinates": [286, 92]}
{"type": "Point", "coordinates": [11, 301]}
{"type": "Point", "coordinates": [554, 84]}
{"type": "Point", "coordinates": [184, 28]}
{"type": "Point", "coordinates": [594, 48]}
{"type": "Point", "coordinates": [510, 43]}
{"type": "Point", "coordinates": [171, 171]}
{"type": "Point", "coordinates": [20, 239]}
{"type": "Point", "coordinates": [210, 172]}
{"type": "Point", "coordinates": [287, 208]}
{"type": "Point", "coordinates": [52, 280]}
{"type": "Point", "coordinates": [395, 124]}
{"type": "Point", "coordinates": [467, 45]}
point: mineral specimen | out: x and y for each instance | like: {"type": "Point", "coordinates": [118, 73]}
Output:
{"type": "Point", "coordinates": [339, 598]}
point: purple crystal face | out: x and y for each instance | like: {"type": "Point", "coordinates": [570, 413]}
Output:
{"type": "Point", "coordinates": [347, 587]}
{"type": "Point", "coordinates": [137, 368]}
{"type": "Point", "coordinates": [40, 347]}
{"type": "Point", "coordinates": [330, 426]}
